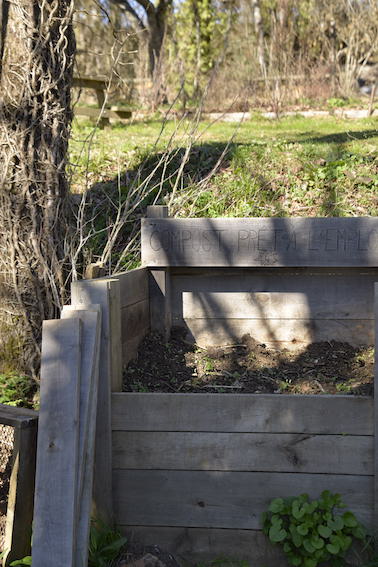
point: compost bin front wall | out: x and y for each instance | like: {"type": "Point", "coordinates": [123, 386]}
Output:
{"type": "Point", "coordinates": [194, 472]}
{"type": "Point", "coordinates": [286, 307]}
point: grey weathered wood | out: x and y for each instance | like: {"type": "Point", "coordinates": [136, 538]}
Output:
{"type": "Point", "coordinates": [157, 212]}
{"type": "Point", "coordinates": [160, 286]}
{"type": "Point", "coordinates": [197, 545]}
{"type": "Point", "coordinates": [18, 528]}
{"type": "Point", "coordinates": [333, 304]}
{"type": "Point", "coordinates": [328, 242]}
{"type": "Point", "coordinates": [58, 441]}
{"type": "Point", "coordinates": [272, 305]}
{"type": "Point", "coordinates": [115, 335]}
{"type": "Point", "coordinates": [216, 499]}
{"type": "Point", "coordinates": [133, 286]}
{"type": "Point", "coordinates": [250, 413]}
{"type": "Point", "coordinates": [91, 320]}
{"type": "Point", "coordinates": [288, 333]}
{"type": "Point", "coordinates": [134, 319]}
{"type": "Point", "coordinates": [17, 417]}
{"type": "Point", "coordinates": [297, 453]}
{"type": "Point", "coordinates": [376, 414]}
{"type": "Point", "coordinates": [160, 301]}
{"type": "Point", "coordinates": [99, 292]}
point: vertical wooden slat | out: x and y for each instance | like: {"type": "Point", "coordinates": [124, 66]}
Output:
{"type": "Point", "coordinates": [57, 447]}
{"type": "Point", "coordinates": [102, 292]}
{"type": "Point", "coordinates": [91, 319]}
{"type": "Point", "coordinates": [160, 287]}
{"type": "Point", "coordinates": [18, 529]}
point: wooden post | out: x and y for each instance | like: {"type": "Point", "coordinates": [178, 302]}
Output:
{"type": "Point", "coordinates": [106, 293]}
{"type": "Point", "coordinates": [160, 287]}
{"type": "Point", "coordinates": [55, 504]}
{"type": "Point", "coordinates": [18, 529]}
{"type": "Point", "coordinates": [90, 316]}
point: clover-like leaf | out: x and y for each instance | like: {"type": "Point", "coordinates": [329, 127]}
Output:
{"type": "Point", "coordinates": [308, 546]}
{"type": "Point", "coordinates": [276, 505]}
{"type": "Point", "coordinates": [336, 524]}
{"type": "Point", "coordinates": [302, 529]}
{"type": "Point", "coordinates": [317, 542]}
{"type": "Point", "coordinates": [333, 548]}
{"type": "Point", "coordinates": [324, 531]}
{"type": "Point", "coordinates": [276, 534]}
{"type": "Point", "coordinates": [350, 520]}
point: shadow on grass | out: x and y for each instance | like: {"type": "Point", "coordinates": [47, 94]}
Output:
{"type": "Point", "coordinates": [336, 138]}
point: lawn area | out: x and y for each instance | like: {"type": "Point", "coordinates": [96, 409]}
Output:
{"type": "Point", "coordinates": [295, 166]}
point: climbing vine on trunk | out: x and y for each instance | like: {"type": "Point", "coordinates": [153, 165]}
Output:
{"type": "Point", "coordinates": [38, 48]}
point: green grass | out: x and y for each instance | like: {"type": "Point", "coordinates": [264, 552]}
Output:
{"type": "Point", "coordinates": [292, 167]}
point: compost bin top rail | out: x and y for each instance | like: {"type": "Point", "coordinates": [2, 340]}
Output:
{"type": "Point", "coordinates": [259, 242]}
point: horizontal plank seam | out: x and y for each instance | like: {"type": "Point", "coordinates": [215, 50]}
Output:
{"type": "Point", "coordinates": [232, 471]}
{"type": "Point", "coordinates": [269, 470]}
{"type": "Point", "coordinates": [274, 318]}
{"type": "Point", "coordinates": [188, 528]}
{"type": "Point", "coordinates": [251, 432]}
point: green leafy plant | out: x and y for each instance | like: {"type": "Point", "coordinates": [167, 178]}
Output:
{"type": "Point", "coordinates": [16, 390]}
{"type": "Point", "coordinates": [25, 561]}
{"type": "Point", "coordinates": [311, 532]}
{"type": "Point", "coordinates": [105, 544]}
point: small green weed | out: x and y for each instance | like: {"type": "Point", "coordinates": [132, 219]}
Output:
{"type": "Point", "coordinates": [24, 561]}
{"type": "Point", "coordinates": [105, 544]}
{"type": "Point", "coordinates": [16, 389]}
{"type": "Point", "coordinates": [311, 532]}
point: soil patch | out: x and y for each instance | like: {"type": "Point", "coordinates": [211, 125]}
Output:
{"type": "Point", "coordinates": [249, 367]}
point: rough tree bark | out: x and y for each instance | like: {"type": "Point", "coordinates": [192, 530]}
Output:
{"type": "Point", "coordinates": [37, 48]}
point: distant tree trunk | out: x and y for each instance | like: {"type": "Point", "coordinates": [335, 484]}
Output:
{"type": "Point", "coordinates": [259, 30]}
{"type": "Point", "coordinates": [36, 74]}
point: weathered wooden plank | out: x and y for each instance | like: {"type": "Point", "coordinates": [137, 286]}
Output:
{"type": "Point", "coordinates": [160, 301]}
{"type": "Point", "coordinates": [89, 83]}
{"type": "Point", "coordinates": [91, 325]}
{"type": "Point", "coordinates": [98, 292]}
{"type": "Point", "coordinates": [297, 453]}
{"type": "Point", "coordinates": [273, 305]}
{"type": "Point", "coordinates": [224, 499]}
{"type": "Point", "coordinates": [260, 242]}
{"type": "Point", "coordinates": [197, 545]}
{"type": "Point", "coordinates": [324, 292]}
{"type": "Point", "coordinates": [58, 441]}
{"type": "Point", "coordinates": [18, 530]}
{"type": "Point", "coordinates": [102, 113]}
{"type": "Point", "coordinates": [17, 417]}
{"type": "Point", "coordinates": [288, 333]}
{"type": "Point", "coordinates": [134, 319]}
{"type": "Point", "coordinates": [250, 413]}
{"type": "Point", "coordinates": [133, 286]}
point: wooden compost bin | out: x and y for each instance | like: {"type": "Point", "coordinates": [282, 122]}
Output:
{"type": "Point", "coordinates": [194, 472]}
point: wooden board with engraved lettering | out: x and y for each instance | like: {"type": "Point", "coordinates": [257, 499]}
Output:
{"type": "Point", "coordinates": [254, 242]}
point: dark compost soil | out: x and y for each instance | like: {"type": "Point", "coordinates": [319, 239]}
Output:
{"type": "Point", "coordinates": [249, 367]}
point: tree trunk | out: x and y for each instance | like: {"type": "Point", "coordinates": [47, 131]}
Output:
{"type": "Point", "coordinates": [259, 30]}
{"type": "Point", "coordinates": [35, 119]}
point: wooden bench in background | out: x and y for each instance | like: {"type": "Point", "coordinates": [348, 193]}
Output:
{"type": "Point", "coordinates": [104, 114]}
